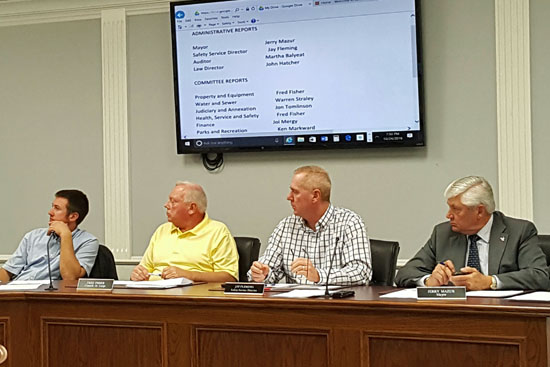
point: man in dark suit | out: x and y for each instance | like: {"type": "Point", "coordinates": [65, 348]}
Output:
{"type": "Point", "coordinates": [491, 250]}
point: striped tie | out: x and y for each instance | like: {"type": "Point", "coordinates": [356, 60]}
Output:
{"type": "Point", "coordinates": [473, 253]}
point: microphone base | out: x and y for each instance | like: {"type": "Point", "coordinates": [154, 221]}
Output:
{"type": "Point", "coordinates": [51, 288]}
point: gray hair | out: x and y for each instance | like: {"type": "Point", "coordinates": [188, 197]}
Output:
{"type": "Point", "coordinates": [475, 190]}
{"type": "Point", "coordinates": [194, 193]}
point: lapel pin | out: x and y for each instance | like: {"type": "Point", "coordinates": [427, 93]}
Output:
{"type": "Point", "coordinates": [502, 238]}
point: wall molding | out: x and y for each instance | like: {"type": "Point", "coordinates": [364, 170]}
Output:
{"type": "Point", "coordinates": [48, 11]}
{"type": "Point", "coordinates": [115, 133]}
{"type": "Point", "coordinates": [513, 79]}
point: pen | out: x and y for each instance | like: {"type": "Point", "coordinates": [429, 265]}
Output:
{"type": "Point", "coordinates": [155, 274]}
{"type": "Point", "coordinates": [456, 272]}
{"type": "Point", "coordinates": [307, 258]}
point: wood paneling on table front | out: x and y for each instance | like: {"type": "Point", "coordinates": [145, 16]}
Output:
{"type": "Point", "coordinates": [199, 326]}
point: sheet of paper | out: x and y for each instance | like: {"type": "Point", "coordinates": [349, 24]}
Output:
{"type": "Point", "coordinates": [281, 285]}
{"type": "Point", "coordinates": [319, 287]}
{"type": "Point", "coordinates": [411, 293]}
{"type": "Point", "coordinates": [301, 286]}
{"type": "Point", "coordinates": [535, 296]}
{"type": "Point", "coordinates": [19, 287]}
{"type": "Point", "coordinates": [301, 293]}
{"type": "Point", "coordinates": [404, 293]}
{"type": "Point", "coordinates": [154, 284]}
{"type": "Point", "coordinates": [493, 294]}
{"type": "Point", "coordinates": [122, 283]}
{"type": "Point", "coordinates": [23, 282]}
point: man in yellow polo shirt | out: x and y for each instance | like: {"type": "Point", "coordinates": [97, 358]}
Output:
{"type": "Point", "coordinates": [190, 245]}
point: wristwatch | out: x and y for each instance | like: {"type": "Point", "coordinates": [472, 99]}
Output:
{"type": "Point", "coordinates": [493, 282]}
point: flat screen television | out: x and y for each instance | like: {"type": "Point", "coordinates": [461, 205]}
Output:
{"type": "Point", "coordinates": [252, 75]}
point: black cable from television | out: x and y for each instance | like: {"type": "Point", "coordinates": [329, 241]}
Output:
{"type": "Point", "coordinates": [212, 164]}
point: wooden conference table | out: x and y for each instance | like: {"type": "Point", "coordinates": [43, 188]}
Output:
{"type": "Point", "coordinates": [200, 326]}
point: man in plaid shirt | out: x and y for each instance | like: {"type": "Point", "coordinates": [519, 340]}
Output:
{"type": "Point", "coordinates": [317, 237]}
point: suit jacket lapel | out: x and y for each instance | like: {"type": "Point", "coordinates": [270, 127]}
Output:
{"type": "Point", "coordinates": [497, 243]}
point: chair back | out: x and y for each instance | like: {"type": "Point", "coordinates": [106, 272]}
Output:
{"type": "Point", "coordinates": [249, 250]}
{"type": "Point", "coordinates": [384, 260]}
{"type": "Point", "coordinates": [104, 266]}
{"type": "Point", "coordinates": [544, 243]}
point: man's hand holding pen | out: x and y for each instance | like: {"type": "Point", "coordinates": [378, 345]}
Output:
{"type": "Point", "coordinates": [302, 266]}
{"type": "Point", "coordinates": [441, 275]}
{"type": "Point", "coordinates": [472, 279]}
{"type": "Point", "coordinates": [468, 277]}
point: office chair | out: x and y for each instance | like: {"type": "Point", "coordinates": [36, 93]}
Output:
{"type": "Point", "coordinates": [249, 250]}
{"type": "Point", "coordinates": [104, 266]}
{"type": "Point", "coordinates": [384, 260]}
{"type": "Point", "coordinates": [544, 243]}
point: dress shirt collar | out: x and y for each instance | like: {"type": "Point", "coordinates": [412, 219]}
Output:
{"type": "Point", "coordinates": [485, 232]}
{"type": "Point", "coordinates": [73, 233]}
{"type": "Point", "coordinates": [323, 222]}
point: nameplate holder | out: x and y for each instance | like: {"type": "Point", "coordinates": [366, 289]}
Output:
{"type": "Point", "coordinates": [441, 293]}
{"type": "Point", "coordinates": [90, 284]}
{"type": "Point", "coordinates": [244, 288]}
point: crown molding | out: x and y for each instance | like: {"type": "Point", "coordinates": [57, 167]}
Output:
{"type": "Point", "coordinates": [50, 11]}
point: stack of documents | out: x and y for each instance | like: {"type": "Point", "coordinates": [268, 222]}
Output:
{"type": "Point", "coordinates": [23, 285]}
{"type": "Point", "coordinates": [154, 284]}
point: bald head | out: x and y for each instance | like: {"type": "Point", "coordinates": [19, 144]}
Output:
{"type": "Point", "coordinates": [186, 205]}
{"type": "Point", "coordinates": [193, 193]}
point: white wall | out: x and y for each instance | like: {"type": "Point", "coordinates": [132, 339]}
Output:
{"type": "Point", "coordinates": [50, 123]}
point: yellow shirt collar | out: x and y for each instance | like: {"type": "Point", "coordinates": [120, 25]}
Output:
{"type": "Point", "coordinates": [196, 229]}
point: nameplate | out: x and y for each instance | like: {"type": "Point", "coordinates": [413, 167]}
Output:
{"type": "Point", "coordinates": [244, 288]}
{"type": "Point", "coordinates": [88, 284]}
{"type": "Point", "coordinates": [433, 293]}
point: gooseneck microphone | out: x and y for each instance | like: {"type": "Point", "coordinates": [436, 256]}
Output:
{"type": "Point", "coordinates": [327, 294]}
{"type": "Point", "coordinates": [53, 235]}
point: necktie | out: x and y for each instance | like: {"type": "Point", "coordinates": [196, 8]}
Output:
{"type": "Point", "coordinates": [473, 253]}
